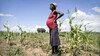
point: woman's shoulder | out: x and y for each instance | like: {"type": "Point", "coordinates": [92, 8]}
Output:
{"type": "Point", "coordinates": [55, 11]}
{"type": "Point", "coordinates": [58, 12]}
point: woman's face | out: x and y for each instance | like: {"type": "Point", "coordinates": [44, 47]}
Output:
{"type": "Point", "coordinates": [51, 6]}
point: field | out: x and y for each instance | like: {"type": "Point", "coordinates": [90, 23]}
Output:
{"type": "Point", "coordinates": [77, 42]}
{"type": "Point", "coordinates": [37, 44]}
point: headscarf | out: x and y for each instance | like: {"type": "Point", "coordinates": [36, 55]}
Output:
{"type": "Point", "coordinates": [55, 4]}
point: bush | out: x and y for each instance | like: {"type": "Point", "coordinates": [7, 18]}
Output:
{"type": "Point", "coordinates": [41, 30]}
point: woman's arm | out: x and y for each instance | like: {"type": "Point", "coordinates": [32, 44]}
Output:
{"type": "Point", "coordinates": [59, 14]}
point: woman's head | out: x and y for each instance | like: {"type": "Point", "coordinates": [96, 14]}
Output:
{"type": "Point", "coordinates": [53, 6]}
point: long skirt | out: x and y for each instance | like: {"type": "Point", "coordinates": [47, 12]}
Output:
{"type": "Point", "coordinates": [54, 37]}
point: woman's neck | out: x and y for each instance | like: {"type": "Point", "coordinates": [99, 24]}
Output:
{"type": "Point", "coordinates": [52, 10]}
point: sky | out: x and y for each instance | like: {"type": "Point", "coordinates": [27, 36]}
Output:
{"type": "Point", "coordinates": [32, 14]}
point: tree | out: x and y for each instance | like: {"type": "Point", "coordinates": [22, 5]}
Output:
{"type": "Point", "coordinates": [41, 30]}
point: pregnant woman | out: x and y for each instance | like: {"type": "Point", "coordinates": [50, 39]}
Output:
{"type": "Point", "coordinates": [53, 27]}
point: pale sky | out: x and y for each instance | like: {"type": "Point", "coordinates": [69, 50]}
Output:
{"type": "Point", "coordinates": [32, 14]}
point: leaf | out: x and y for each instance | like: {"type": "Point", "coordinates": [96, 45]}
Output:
{"type": "Point", "coordinates": [71, 20]}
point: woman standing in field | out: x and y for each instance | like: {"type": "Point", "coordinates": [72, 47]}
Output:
{"type": "Point", "coordinates": [53, 27]}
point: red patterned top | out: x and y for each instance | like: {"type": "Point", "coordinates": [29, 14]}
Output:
{"type": "Point", "coordinates": [51, 20]}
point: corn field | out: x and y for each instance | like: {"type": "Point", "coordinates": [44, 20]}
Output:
{"type": "Point", "coordinates": [76, 42]}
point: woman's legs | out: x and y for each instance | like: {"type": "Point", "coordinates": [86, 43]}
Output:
{"type": "Point", "coordinates": [54, 49]}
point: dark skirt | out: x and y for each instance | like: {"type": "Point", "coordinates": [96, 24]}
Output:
{"type": "Point", "coordinates": [54, 37]}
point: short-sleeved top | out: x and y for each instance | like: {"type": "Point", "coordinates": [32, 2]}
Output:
{"type": "Point", "coordinates": [51, 20]}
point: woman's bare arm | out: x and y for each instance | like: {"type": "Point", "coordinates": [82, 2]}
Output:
{"type": "Point", "coordinates": [59, 14]}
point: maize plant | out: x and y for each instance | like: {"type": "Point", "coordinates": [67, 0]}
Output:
{"type": "Point", "coordinates": [60, 24]}
{"type": "Point", "coordinates": [8, 34]}
{"type": "Point", "coordinates": [22, 34]}
{"type": "Point", "coordinates": [77, 37]}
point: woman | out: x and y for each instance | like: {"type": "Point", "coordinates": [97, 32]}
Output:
{"type": "Point", "coordinates": [53, 27]}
